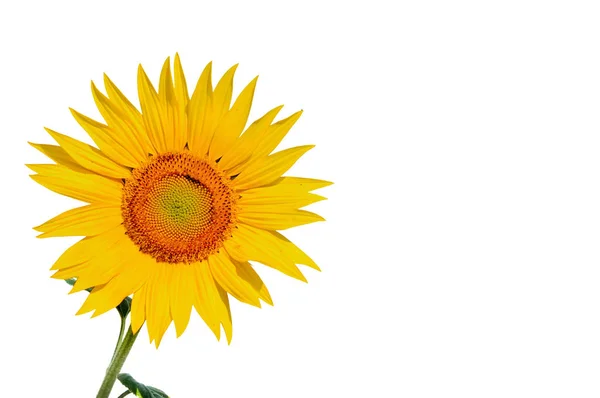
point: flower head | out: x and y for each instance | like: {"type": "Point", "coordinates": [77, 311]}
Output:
{"type": "Point", "coordinates": [181, 196]}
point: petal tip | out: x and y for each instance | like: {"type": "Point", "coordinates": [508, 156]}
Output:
{"type": "Point", "coordinates": [83, 310]}
{"type": "Point", "coordinates": [135, 328]}
{"type": "Point", "coordinates": [268, 300]}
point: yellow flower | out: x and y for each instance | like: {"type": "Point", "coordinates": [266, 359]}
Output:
{"type": "Point", "coordinates": [179, 201]}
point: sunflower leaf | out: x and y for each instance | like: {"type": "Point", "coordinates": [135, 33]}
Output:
{"type": "Point", "coordinates": [124, 308]}
{"type": "Point", "coordinates": [139, 389]}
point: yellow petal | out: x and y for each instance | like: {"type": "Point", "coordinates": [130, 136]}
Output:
{"type": "Point", "coordinates": [225, 313]}
{"type": "Point", "coordinates": [291, 251]}
{"type": "Point", "coordinates": [227, 275]}
{"type": "Point", "coordinates": [248, 274]}
{"type": "Point", "coordinates": [215, 105]}
{"type": "Point", "coordinates": [121, 103]}
{"type": "Point", "coordinates": [106, 297]}
{"type": "Point", "coordinates": [270, 168]}
{"type": "Point", "coordinates": [283, 220]}
{"type": "Point", "coordinates": [300, 184]}
{"type": "Point", "coordinates": [107, 140]}
{"type": "Point", "coordinates": [206, 297]}
{"type": "Point", "coordinates": [243, 148]}
{"type": "Point", "coordinates": [122, 131]}
{"type": "Point", "coordinates": [89, 157]}
{"type": "Point", "coordinates": [166, 318]}
{"type": "Point", "coordinates": [87, 220]}
{"type": "Point", "coordinates": [138, 309]}
{"type": "Point", "coordinates": [89, 188]}
{"type": "Point", "coordinates": [151, 111]}
{"type": "Point", "coordinates": [175, 138]}
{"type": "Point", "coordinates": [275, 134]}
{"type": "Point", "coordinates": [181, 292]}
{"type": "Point", "coordinates": [88, 248]}
{"type": "Point", "coordinates": [105, 266]}
{"type": "Point", "coordinates": [126, 130]}
{"type": "Point", "coordinates": [181, 91]}
{"type": "Point", "coordinates": [181, 101]}
{"type": "Point", "coordinates": [165, 84]}
{"type": "Point", "coordinates": [150, 310]}
{"type": "Point", "coordinates": [157, 304]}
{"type": "Point", "coordinates": [250, 243]}
{"type": "Point", "coordinates": [126, 111]}
{"type": "Point", "coordinates": [199, 114]}
{"type": "Point", "coordinates": [70, 272]}
{"type": "Point", "coordinates": [211, 301]}
{"type": "Point", "coordinates": [265, 203]}
{"type": "Point", "coordinates": [60, 156]}
{"type": "Point", "coordinates": [233, 122]}
{"type": "Point", "coordinates": [222, 96]}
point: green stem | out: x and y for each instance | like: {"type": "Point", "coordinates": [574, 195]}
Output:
{"type": "Point", "coordinates": [121, 332]}
{"type": "Point", "coordinates": [126, 393]}
{"type": "Point", "coordinates": [116, 364]}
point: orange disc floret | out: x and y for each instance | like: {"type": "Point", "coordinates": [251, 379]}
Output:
{"type": "Point", "coordinates": [178, 208]}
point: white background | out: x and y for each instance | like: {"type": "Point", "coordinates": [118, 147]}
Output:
{"type": "Point", "coordinates": [460, 257]}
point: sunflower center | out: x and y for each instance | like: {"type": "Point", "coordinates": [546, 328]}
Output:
{"type": "Point", "coordinates": [178, 208]}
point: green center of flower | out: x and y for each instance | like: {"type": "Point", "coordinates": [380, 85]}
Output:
{"type": "Point", "coordinates": [180, 206]}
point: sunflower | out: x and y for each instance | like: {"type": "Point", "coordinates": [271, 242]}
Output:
{"type": "Point", "coordinates": [180, 198]}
